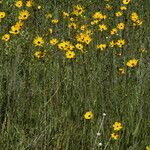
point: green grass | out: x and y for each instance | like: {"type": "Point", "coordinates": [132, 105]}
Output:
{"type": "Point", "coordinates": [42, 102]}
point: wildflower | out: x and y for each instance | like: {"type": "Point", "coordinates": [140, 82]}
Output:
{"type": "Point", "coordinates": [123, 8]}
{"type": "Point", "coordinates": [94, 22]}
{"type": "Point", "coordinates": [79, 47]}
{"type": "Point", "coordinates": [101, 46]}
{"type": "Point", "coordinates": [23, 15]}
{"type": "Point", "coordinates": [54, 21]}
{"type": "Point", "coordinates": [19, 24]}
{"type": "Point", "coordinates": [65, 15]}
{"type": "Point", "coordinates": [121, 26]}
{"type": "Point", "coordinates": [70, 54]}
{"type": "Point", "coordinates": [14, 30]}
{"type": "Point", "coordinates": [134, 16]}
{"type": "Point", "coordinates": [72, 25]}
{"type": "Point", "coordinates": [118, 14]}
{"type": "Point", "coordinates": [50, 30]}
{"type": "Point", "coordinates": [49, 15]}
{"type": "Point", "coordinates": [88, 115]}
{"type": "Point", "coordinates": [114, 136]}
{"type": "Point", "coordinates": [102, 27]}
{"type": "Point", "coordinates": [38, 41]}
{"type": "Point", "coordinates": [78, 10]}
{"type": "Point", "coordinates": [132, 63]}
{"type": "Point", "coordinates": [18, 3]}
{"type": "Point", "coordinates": [53, 41]}
{"type": "Point", "coordinates": [39, 54]}
{"type": "Point", "coordinates": [2, 15]}
{"type": "Point", "coordinates": [112, 44]}
{"type": "Point", "coordinates": [148, 147]}
{"type": "Point", "coordinates": [83, 27]}
{"type": "Point", "coordinates": [6, 37]}
{"type": "Point", "coordinates": [113, 31]}
{"type": "Point", "coordinates": [126, 2]}
{"type": "Point", "coordinates": [137, 23]}
{"type": "Point", "coordinates": [98, 16]}
{"type": "Point", "coordinates": [39, 7]}
{"type": "Point", "coordinates": [29, 3]}
{"type": "Point", "coordinates": [72, 19]}
{"type": "Point", "coordinates": [108, 7]}
{"type": "Point", "coordinates": [121, 71]}
{"type": "Point", "coordinates": [117, 126]}
{"type": "Point", "coordinates": [120, 42]}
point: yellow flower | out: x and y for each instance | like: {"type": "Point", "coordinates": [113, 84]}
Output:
{"type": "Point", "coordinates": [108, 7]}
{"type": "Point", "coordinates": [132, 63]}
{"type": "Point", "coordinates": [6, 37]}
{"type": "Point", "coordinates": [79, 47]}
{"type": "Point", "coordinates": [23, 15]}
{"type": "Point", "coordinates": [121, 26]}
{"type": "Point", "coordinates": [50, 30]}
{"type": "Point", "coordinates": [18, 3]}
{"type": "Point", "coordinates": [113, 31]}
{"type": "Point", "coordinates": [2, 14]}
{"type": "Point", "coordinates": [120, 42]}
{"type": "Point", "coordinates": [134, 16]}
{"type": "Point", "coordinates": [19, 24]}
{"type": "Point", "coordinates": [114, 136]}
{"type": "Point", "coordinates": [78, 10]}
{"type": "Point", "coordinates": [38, 41]}
{"type": "Point", "coordinates": [65, 15]}
{"type": "Point", "coordinates": [118, 14]}
{"type": "Point", "coordinates": [112, 43]}
{"type": "Point", "coordinates": [126, 2]}
{"type": "Point", "coordinates": [39, 54]}
{"type": "Point", "coordinates": [53, 41]}
{"type": "Point", "coordinates": [72, 25]}
{"type": "Point", "coordinates": [29, 3]}
{"type": "Point", "coordinates": [14, 30]}
{"type": "Point", "coordinates": [88, 115]}
{"type": "Point", "coordinates": [70, 54]}
{"type": "Point", "coordinates": [138, 23]}
{"type": "Point", "coordinates": [102, 27]}
{"type": "Point", "coordinates": [117, 126]}
{"type": "Point", "coordinates": [83, 27]}
{"type": "Point", "coordinates": [39, 7]}
{"type": "Point", "coordinates": [101, 46]}
{"type": "Point", "coordinates": [54, 21]}
{"type": "Point", "coordinates": [123, 8]}
{"type": "Point", "coordinates": [122, 71]}
{"type": "Point", "coordinates": [98, 16]}
{"type": "Point", "coordinates": [148, 147]}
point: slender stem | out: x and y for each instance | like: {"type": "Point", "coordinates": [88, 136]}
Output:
{"type": "Point", "coordinates": [107, 144]}
{"type": "Point", "coordinates": [98, 131]}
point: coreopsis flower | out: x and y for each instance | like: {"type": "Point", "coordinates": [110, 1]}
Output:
{"type": "Point", "coordinates": [126, 2]}
{"type": "Point", "coordinates": [102, 27]}
{"type": "Point", "coordinates": [148, 147]}
{"type": "Point", "coordinates": [117, 126]}
{"type": "Point", "coordinates": [39, 54]}
{"type": "Point", "coordinates": [112, 43]}
{"type": "Point", "coordinates": [29, 3]}
{"type": "Point", "coordinates": [121, 26]}
{"type": "Point", "coordinates": [38, 41]}
{"type": "Point", "coordinates": [137, 23]}
{"type": "Point", "coordinates": [120, 42]}
{"type": "Point", "coordinates": [14, 30]}
{"type": "Point", "coordinates": [113, 31]}
{"type": "Point", "coordinates": [123, 8]}
{"type": "Point", "coordinates": [19, 3]}
{"type": "Point", "coordinates": [101, 46]}
{"type": "Point", "coordinates": [94, 22]}
{"type": "Point", "coordinates": [118, 14]}
{"type": "Point", "coordinates": [88, 115]}
{"type": "Point", "coordinates": [134, 17]}
{"type": "Point", "coordinates": [49, 15]}
{"type": "Point", "coordinates": [6, 37]}
{"type": "Point", "coordinates": [114, 136]}
{"type": "Point", "coordinates": [23, 15]}
{"type": "Point", "coordinates": [108, 7]}
{"type": "Point", "coordinates": [78, 10]}
{"type": "Point", "coordinates": [98, 16]}
{"type": "Point", "coordinates": [79, 47]}
{"type": "Point", "coordinates": [72, 25]}
{"type": "Point", "coordinates": [83, 27]}
{"type": "Point", "coordinates": [121, 71]}
{"type": "Point", "coordinates": [65, 15]}
{"type": "Point", "coordinates": [132, 63]}
{"type": "Point", "coordinates": [39, 7]}
{"type": "Point", "coordinates": [2, 15]}
{"type": "Point", "coordinates": [54, 21]}
{"type": "Point", "coordinates": [70, 54]}
{"type": "Point", "coordinates": [19, 24]}
{"type": "Point", "coordinates": [50, 30]}
{"type": "Point", "coordinates": [53, 41]}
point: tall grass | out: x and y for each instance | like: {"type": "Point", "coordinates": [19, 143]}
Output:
{"type": "Point", "coordinates": [42, 102]}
